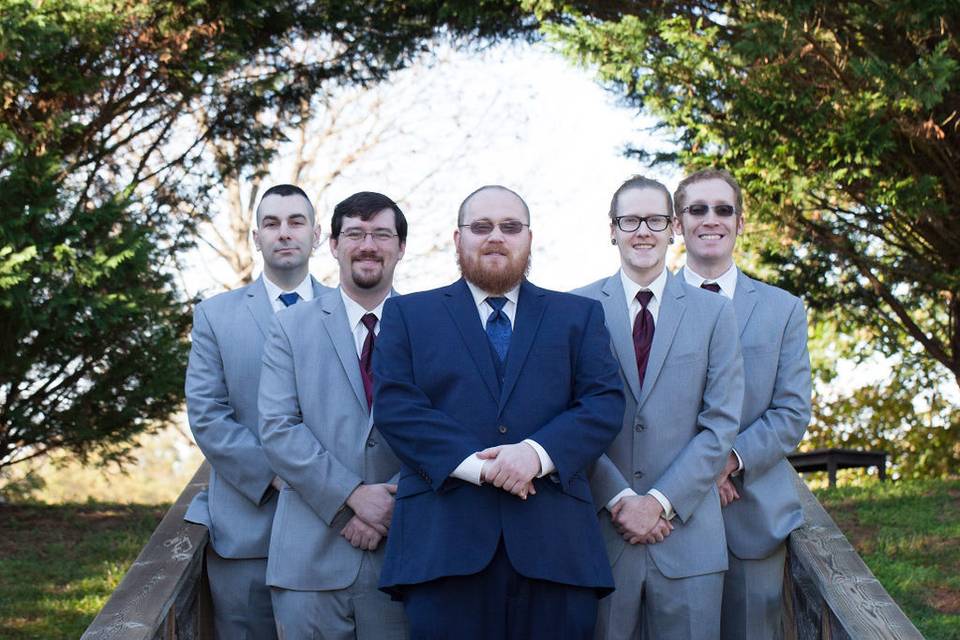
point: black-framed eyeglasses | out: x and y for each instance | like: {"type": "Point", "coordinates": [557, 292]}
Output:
{"type": "Point", "coordinates": [700, 210]}
{"type": "Point", "coordinates": [485, 227]}
{"type": "Point", "coordinates": [359, 235]}
{"type": "Point", "coordinates": [629, 224]}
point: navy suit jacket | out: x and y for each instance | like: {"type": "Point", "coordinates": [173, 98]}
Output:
{"type": "Point", "coordinates": [438, 400]}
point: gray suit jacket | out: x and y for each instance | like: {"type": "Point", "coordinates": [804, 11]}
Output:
{"type": "Point", "coordinates": [677, 431]}
{"type": "Point", "coordinates": [318, 435]}
{"type": "Point", "coordinates": [776, 411]}
{"type": "Point", "coordinates": [223, 374]}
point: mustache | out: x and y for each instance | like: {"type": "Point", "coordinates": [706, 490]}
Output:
{"type": "Point", "coordinates": [367, 255]}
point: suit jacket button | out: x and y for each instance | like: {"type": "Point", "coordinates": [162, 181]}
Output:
{"type": "Point", "coordinates": [638, 474]}
{"type": "Point", "coordinates": [371, 442]}
{"type": "Point", "coordinates": [502, 429]}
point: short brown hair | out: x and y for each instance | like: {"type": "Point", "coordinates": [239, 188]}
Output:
{"type": "Point", "coordinates": [680, 195]}
{"type": "Point", "coordinates": [639, 182]}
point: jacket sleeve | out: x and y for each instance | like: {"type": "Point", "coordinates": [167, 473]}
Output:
{"type": "Point", "coordinates": [231, 447]}
{"type": "Point", "coordinates": [693, 472]}
{"type": "Point", "coordinates": [780, 427]}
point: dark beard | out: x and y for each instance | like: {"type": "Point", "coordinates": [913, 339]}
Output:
{"type": "Point", "coordinates": [496, 282]}
{"type": "Point", "coordinates": [364, 281]}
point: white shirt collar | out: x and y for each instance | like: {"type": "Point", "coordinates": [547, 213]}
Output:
{"type": "Point", "coordinates": [305, 289]}
{"type": "Point", "coordinates": [480, 296]}
{"type": "Point", "coordinates": [630, 288]}
{"type": "Point", "coordinates": [355, 311]}
{"type": "Point", "coordinates": [727, 280]}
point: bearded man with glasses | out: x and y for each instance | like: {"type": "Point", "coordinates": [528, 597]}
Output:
{"type": "Point", "coordinates": [757, 491]}
{"type": "Point", "coordinates": [497, 396]}
{"type": "Point", "coordinates": [680, 362]}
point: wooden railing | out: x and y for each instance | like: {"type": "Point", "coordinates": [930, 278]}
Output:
{"type": "Point", "coordinates": [829, 593]}
{"type": "Point", "coordinates": [164, 595]}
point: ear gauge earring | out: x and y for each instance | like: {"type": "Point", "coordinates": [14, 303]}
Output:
{"type": "Point", "coordinates": [613, 241]}
{"type": "Point", "coordinates": [670, 240]}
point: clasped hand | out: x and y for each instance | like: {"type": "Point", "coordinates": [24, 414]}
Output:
{"type": "Point", "coordinates": [372, 506]}
{"type": "Point", "coordinates": [639, 519]}
{"type": "Point", "coordinates": [728, 492]}
{"type": "Point", "coordinates": [511, 467]}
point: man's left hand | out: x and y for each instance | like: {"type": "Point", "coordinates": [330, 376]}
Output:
{"type": "Point", "coordinates": [512, 467]}
{"type": "Point", "coordinates": [728, 492]}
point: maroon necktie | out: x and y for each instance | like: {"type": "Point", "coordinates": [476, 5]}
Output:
{"type": "Point", "coordinates": [643, 333]}
{"type": "Point", "coordinates": [711, 286]}
{"type": "Point", "coordinates": [366, 357]}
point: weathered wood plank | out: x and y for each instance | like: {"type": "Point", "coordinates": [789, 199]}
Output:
{"type": "Point", "coordinates": [160, 596]}
{"type": "Point", "coordinates": [834, 594]}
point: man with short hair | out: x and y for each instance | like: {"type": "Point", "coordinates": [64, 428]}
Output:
{"type": "Point", "coordinates": [221, 387]}
{"type": "Point", "coordinates": [339, 475]}
{"type": "Point", "coordinates": [760, 502]}
{"type": "Point", "coordinates": [496, 395]}
{"type": "Point", "coordinates": [680, 361]}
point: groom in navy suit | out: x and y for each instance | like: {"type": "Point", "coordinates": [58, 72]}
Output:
{"type": "Point", "coordinates": [496, 396]}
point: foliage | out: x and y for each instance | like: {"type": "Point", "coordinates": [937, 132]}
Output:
{"type": "Point", "coordinates": [59, 564]}
{"type": "Point", "coordinates": [840, 122]}
{"type": "Point", "coordinates": [908, 533]}
{"type": "Point", "coordinates": [112, 114]}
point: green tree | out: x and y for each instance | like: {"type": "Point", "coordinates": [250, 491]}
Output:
{"type": "Point", "coordinates": [112, 115]}
{"type": "Point", "coordinates": [841, 122]}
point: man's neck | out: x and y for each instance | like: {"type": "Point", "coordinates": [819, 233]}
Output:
{"type": "Point", "coordinates": [644, 277]}
{"type": "Point", "coordinates": [711, 270]}
{"type": "Point", "coordinates": [286, 280]}
{"type": "Point", "coordinates": [369, 299]}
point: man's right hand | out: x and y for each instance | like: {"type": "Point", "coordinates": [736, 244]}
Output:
{"type": "Point", "coordinates": [361, 535]}
{"type": "Point", "coordinates": [636, 516]}
{"type": "Point", "coordinates": [373, 503]}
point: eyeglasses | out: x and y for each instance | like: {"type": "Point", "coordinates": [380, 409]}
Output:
{"type": "Point", "coordinates": [700, 210]}
{"type": "Point", "coordinates": [485, 227]}
{"type": "Point", "coordinates": [358, 235]}
{"type": "Point", "coordinates": [629, 224]}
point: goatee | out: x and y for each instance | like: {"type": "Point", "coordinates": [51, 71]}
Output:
{"type": "Point", "coordinates": [496, 281]}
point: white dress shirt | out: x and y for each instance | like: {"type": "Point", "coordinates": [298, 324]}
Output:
{"type": "Point", "coordinates": [630, 289]}
{"type": "Point", "coordinates": [728, 286]}
{"type": "Point", "coordinates": [471, 468]}
{"type": "Point", "coordinates": [355, 314]}
{"type": "Point", "coordinates": [305, 289]}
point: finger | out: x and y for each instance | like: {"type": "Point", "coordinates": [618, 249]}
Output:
{"type": "Point", "coordinates": [532, 490]}
{"type": "Point", "coordinates": [392, 488]}
{"type": "Point", "coordinates": [489, 454]}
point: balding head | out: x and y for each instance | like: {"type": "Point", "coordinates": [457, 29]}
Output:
{"type": "Point", "coordinates": [464, 206]}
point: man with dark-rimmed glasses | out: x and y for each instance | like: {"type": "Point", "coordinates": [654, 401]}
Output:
{"type": "Point", "coordinates": [680, 362]}
{"type": "Point", "coordinates": [497, 396]}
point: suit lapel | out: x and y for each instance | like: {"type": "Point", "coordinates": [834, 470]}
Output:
{"type": "Point", "coordinates": [619, 325]}
{"type": "Point", "coordinates": [334, 320]}
{"type": "Point", "coordinates": [671, 311]}
{"type": "Point", "coordinates": [744, 300]}
{"type": "Point", "coordinates": [465, 316]}
{"type": "Point", "coordinates": [318, 289]}
{"type": "Point", "coordinates": [530, 307]}
{"type": "Point", "coordinates": [259, 306]}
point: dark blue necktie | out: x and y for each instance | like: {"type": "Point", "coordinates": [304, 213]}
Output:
{"type": "Point", "coordinates": [289, 298]}
{"type": "Point", "coordinates": [499, 331]}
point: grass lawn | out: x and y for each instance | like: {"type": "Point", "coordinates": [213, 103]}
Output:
{"type": "Point", "coordinates": [59, 563]}
{"type": "Point", "coordinates": [908, 533]}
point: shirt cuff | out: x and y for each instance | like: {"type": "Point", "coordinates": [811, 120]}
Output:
{"type": "Point", "coordinates": [662, 499]}
{"type": "Point", "coordinates": [470, 470]}
{"type": "Point", "coordinates": [546, 463]}
{"type": "Point", "coordinates": [739, 464]}
{"type": "Point", "coordinates": [626, 493]}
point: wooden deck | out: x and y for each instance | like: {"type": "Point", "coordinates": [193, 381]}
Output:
{"type": "Point", "coordinates": [829, 594]}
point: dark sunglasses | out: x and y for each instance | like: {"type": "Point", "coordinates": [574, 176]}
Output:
{"type": "Point", "coordinates": [485, 227]}
{"type": "Point", "coordinates": [700, 210]}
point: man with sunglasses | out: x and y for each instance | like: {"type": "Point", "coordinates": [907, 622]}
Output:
{"type": "Point", "coordinates": [317, 431]}
{"type": "Point", "coordinates": [680, 361]}
{"type": "Point", "coordinates": [497, 396]}
{"type": "Point", "coordinates": [760, 503]}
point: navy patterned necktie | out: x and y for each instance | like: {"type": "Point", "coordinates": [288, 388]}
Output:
{"type": "Point", "coordinates": [369, 320]}
{"type": "Point", "coordinates": [499, 331]}
{"type": "Point", "coordinates": [711, 286]}
{"type": "Point", "coordinates": [643, 333]}
{"type": "Point", "coordinates": [289, 299]}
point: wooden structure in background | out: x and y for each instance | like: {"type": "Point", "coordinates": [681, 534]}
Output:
{"type": "Point", "coordinates": [830, 460]}
{"type": "Point", "coordinates": [829, 594]}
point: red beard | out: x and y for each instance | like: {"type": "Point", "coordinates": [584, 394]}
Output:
{"type": "Point", "coordinates": [496, 281]}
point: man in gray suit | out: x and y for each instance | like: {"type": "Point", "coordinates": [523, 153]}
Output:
{"type": "Point", "coordinates": [756, 486]}
{"type": "Point", "coordinates": [680, 360]}
{"type": "Point", "coordinates": [221, 387]}
{"type": "Point", "coordinates": [318, 434]}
